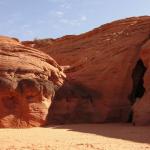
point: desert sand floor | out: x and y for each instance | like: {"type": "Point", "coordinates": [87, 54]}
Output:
{"type": "Point", "coordinates": [77, 137]}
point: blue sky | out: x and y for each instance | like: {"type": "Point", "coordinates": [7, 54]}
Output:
{"type": "Point", "coordinates": [29, 19]}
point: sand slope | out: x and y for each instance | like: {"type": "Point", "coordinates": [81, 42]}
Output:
{"type": "Point", "coordinates": [77, 137]}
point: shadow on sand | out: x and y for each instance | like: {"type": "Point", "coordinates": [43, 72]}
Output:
{"type": "Point", "coordinates": [125, 131]}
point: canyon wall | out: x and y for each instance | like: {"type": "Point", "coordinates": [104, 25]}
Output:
{"type": "Point", "coordinates": [107, 73]}
{"type": "Point", "coordinates": [99, 76]}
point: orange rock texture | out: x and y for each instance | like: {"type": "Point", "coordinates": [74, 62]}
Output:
{"type": "Point", "coordinates": [108, 76]}
{"type": "Point", "coordinates": [28, 79]}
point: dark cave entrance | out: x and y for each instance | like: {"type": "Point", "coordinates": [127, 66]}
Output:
{"type": "Point", "coordinates": [138, 84]}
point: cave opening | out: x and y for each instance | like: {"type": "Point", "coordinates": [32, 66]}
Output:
{"type": "Point", "coordinates": [138, 89]}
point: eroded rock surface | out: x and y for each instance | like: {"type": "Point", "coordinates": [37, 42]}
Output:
{"type": "Point", "coordinates": [28, 79]}
{"type": "Point", "coordinates": [141, 108]}
{"type": "Point", "coordinates": [101, 84]}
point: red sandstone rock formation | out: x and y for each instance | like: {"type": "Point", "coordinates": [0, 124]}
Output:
{"type": "Point", "coordinates": [141, 108]}
{"type": "Point", "coordinates": [27, 80]}
{"type": "Point", "coordinates": [105, 71]}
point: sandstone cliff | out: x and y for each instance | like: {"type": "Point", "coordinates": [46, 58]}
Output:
{"type": "Point", "coordinates": [107, 73]}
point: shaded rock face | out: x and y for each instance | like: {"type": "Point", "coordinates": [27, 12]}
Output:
{"type": "Point", "coordinates": [141, 108]}
{"type": "Point", "coordinates": [112, 62]}
{"type": "Point", "coordinates": [28, 79]}
{"type": "Point", "coordinates": [73, 103]}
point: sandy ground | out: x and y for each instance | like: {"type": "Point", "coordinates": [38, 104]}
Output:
{"type": "Point", "coordinates": [77, 137]}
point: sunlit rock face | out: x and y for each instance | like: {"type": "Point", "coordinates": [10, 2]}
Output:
{"type": "Point", "coordinates": [28, 79]}
{"type": "Point", "coordinates": [107, 71]}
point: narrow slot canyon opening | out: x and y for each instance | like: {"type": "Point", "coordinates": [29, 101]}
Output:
{"type": "Point", "coordinates": [138, 84]}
